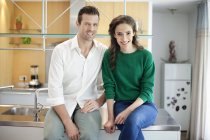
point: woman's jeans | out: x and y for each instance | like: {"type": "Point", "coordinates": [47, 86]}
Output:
{"type": "Point", "coordinates": [141, 117]}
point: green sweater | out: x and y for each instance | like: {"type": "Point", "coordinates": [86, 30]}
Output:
{"type": "Point", "coordinates": [132, 77]}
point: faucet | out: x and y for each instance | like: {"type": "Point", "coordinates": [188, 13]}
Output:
{"type": "Point", "coordinates": [36, 109]}
{"type": "Point", "coordinates": [4, 87]}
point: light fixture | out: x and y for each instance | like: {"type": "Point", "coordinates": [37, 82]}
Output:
{"type": "Point", "coordinates": [172, 10]}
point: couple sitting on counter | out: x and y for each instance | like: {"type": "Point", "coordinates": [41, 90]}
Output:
{"type": "Point", "coordinates": [128, 79]}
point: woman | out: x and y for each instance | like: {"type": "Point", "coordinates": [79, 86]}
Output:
{"type": "Point", "coordinates": [128, 74]}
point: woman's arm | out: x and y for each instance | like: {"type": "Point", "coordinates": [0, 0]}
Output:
{"type": "Point", "coordinates": [109, 86]}
{"type": "Point", "coordinates": [135, 104]}
{"type": "Point", "coordinates": [109, 125]}
{"type": "Point", "coordinates": [110, 105]}
{"type": "Point", "coordinates": [147, 79]}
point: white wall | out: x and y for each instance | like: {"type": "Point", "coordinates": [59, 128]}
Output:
{"type": "Point", "coordinates": [167, 27]}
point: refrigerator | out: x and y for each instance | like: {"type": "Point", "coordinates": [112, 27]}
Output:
{"type": "Point", "coordinates": [176, 92]}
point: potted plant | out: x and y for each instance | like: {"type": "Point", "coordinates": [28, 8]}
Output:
{"type": "Point", "coordinates": [26, 40]}
{"type": "Point", "coordinates": [18, 23]}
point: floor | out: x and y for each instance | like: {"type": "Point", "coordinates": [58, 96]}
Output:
{"type": "Point", "coordinates": [183, 135]}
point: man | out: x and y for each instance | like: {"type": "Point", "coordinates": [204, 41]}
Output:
{"type": "Point", "coordinates": [75, 66]}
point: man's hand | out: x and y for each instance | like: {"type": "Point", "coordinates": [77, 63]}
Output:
{"type": "Point", "coordinates": [109, 127]}
{"type": "Point", "coordinates": [72, 131]}
{"type": "Point", "coordinates": [90, 106]}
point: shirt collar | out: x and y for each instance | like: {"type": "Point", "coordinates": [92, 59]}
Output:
{"type": "Point", "coordinates": [75, 44]}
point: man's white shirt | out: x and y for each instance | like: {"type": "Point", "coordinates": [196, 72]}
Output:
{"type": "Point", "coordinates": [72, 77]}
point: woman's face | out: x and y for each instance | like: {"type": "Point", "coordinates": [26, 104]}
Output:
{"type": "Point", "coordinates": [124, 35]}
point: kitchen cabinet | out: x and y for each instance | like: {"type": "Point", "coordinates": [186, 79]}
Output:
{"type": "Point", "coordinates": [23, 97]}
{"type": "Point", "coordinates": [148, 135]}
{"type": "Point", "coordinates": [47, 23]}
{"type": "Point", "coordinates": [21, 133]}
{"type": "Point", "coordinates": [35, 133]}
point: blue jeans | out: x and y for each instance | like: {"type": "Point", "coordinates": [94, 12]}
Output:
{"type": "Point", "coordinates": [141, 117]}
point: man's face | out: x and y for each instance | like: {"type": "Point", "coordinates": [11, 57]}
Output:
{"type": "Point", "coordinates": [88, 27]}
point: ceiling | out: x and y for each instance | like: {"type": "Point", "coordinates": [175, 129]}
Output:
{"type": "Point", "coordinates": [181, 6]}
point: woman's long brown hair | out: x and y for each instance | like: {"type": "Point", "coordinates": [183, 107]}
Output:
{"type": "Point", "coordinates": [114, 46]}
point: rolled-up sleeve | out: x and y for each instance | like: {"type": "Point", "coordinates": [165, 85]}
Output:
{"type": "Point", "coordinates": [109, 83]}
{"type": "Point", "coordinates": [55, 87]}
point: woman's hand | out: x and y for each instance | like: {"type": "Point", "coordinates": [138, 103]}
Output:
{"type": "Point", "coordinates": [72, 131]}
{"type": "Point", "coordinates": [121, 117]}
{"type": "Point", "coordinates": [109, 127]}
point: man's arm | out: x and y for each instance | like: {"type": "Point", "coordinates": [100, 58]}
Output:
{"type": "Point", "coordinates": [71, 129]}
{"type": "Point", "coordinates": [92, 105]}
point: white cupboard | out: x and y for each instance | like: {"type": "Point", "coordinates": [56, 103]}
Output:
{"type": "Point", "coordinates": [177, 89]}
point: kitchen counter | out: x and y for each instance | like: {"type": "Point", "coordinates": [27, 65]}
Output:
{"type": "Point", "coordinates": [19, 120]}
{"type": "Point", "coordinates": [164, 128]}
{"type": "Point", "coordinates": [23, 127]}
{"type": "Point", "coordinates": [164, 121]}
{"type": "Point", "coordinates": [17, 90]}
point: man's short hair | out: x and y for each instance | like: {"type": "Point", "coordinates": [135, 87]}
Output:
{"type": "Point", "coordinates": [89, 10]}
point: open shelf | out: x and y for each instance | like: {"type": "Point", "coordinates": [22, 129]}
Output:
{"type": "Point", "coordinates": [24, 49]}
{"type": "Point", "coordinates": [25, 31]}
{"type": "Point", "coordinates": [18, 44]}
{"type": "Point", "coordinates": [58, 35]}
{"type": "Point", "coordinates": [50, 22]}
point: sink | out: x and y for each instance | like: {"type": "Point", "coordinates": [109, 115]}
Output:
{"type": "Point", "coordinates": [28, 111]}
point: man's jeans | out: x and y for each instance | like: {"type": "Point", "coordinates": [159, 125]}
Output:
{"type": "Point", "coordinates": [89, 125]}
{"type": "Point", "coordinates": [141, 117]}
